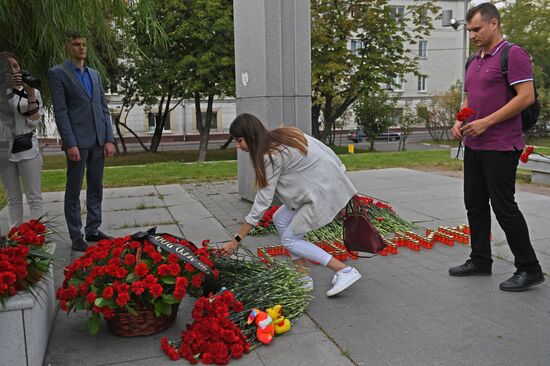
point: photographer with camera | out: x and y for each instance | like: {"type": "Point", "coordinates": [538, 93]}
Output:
{"type": "Point", "coordinates": [22, 163]}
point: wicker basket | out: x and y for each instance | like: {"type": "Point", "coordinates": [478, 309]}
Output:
{"type": "Point", "coordinates": [144, 323]}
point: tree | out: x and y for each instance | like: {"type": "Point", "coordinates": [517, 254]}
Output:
{"type": "Point", "coordinates": [526, 23]}
{"type": "Point", "coordinates": [442, 112]}
{"type": "Point", "coordinates": [407, 121]}
{"type": "Point", "coordinates": [341, 75]}
{"type": "Point", "coordinates": [197, 62]}
{"type": "Point", "coordinates": [37, 30]}
{"type": "Point", "coordinates": [206, 38]}
{"type": "Point", "coordinates": [374, 114]}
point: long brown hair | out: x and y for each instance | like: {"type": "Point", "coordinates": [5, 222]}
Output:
{"type": "Point", "coordinates": [262, 141]}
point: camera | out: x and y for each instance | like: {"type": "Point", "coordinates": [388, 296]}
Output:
{"type": "Point", "coordinates": [29, 79]}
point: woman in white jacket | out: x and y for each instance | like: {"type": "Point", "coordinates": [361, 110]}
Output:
{"type": "Point", "coordinates": [309, 180]}
{"type": "Point", "coordinates": [23, 162]}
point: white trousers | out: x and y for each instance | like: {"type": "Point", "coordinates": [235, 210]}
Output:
{"type": "Point", "coordinates": [297, 247]}
{"type": "Point", "coordinates": [27, 171]}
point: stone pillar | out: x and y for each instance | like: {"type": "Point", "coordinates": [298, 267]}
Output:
{"type": "Point", "coordinates": [272, 68]}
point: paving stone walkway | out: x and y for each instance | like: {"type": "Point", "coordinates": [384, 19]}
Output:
{"type": "Point", "coordinates": [406, 310]}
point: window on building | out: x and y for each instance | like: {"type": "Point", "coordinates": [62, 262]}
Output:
{"type": "Point", "coordinates": [214, 121]}
{"type": "Point", "coordinates": [397, 11]}
{"type": "Point", "coordinates": [423, 49]}
{"type": "Point", "coordinates": [151, 122]}
{"type": "Point", "coordinates": [422, 83]}
{"type": "Point", "coordinates": [397, 84]}
{"type": "Point", "coordinates": [355, 46]}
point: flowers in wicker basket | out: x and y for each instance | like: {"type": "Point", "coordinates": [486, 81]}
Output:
{"type": "Point", "coordinates": [213, 337]}
{"type": "Point", "coordinates": [24, 259]}
{"type": "Point", "coordinates": [125, 275]}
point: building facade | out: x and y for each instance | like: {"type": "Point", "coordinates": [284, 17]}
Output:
{"type": "Point", "coordinates": [440, 58]}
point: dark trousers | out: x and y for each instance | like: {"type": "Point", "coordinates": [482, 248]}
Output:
{"type": "Point", "coordinates": [91, 161]}
{"type": "Point", "coordinates": [491, 176]}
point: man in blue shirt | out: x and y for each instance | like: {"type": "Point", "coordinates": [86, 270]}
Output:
{"type": "Point", "coordinates": [84, 124]}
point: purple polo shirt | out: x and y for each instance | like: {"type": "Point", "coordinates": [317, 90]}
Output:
{"type": "Point", "coordinates": [487, 92]}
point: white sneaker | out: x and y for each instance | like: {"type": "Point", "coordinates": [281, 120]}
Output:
{"type": "Point", "coordinates": [343, 280]}
{"type": "Point", "coordinates": [307, 283]}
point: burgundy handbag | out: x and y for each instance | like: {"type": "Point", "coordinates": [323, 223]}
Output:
{"type": "Point", "coordinates": [359, 233]}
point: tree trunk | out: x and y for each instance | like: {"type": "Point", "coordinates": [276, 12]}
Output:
{"type": "Point", "coordinates": [161, 117]}
{"type": "Point", "coordinates": [136, 136]}
{"type": "Point", "coordinates": [371, 140]}
{"type": "Point", "coordinates": [203, 126]}
{"type": "Point", "coordinates": [315, 114]}
{"type": "Point", "coordinates": [120, 137]}
{"type": "Point", "coordinates": [403, 141]}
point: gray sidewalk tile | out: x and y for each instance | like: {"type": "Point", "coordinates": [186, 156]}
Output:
{"type": "Point", "coordinates": [143, 191]}
{"type": "Point", "coordinates": [137, 219]}
{"type": "Point", "coordinates": [121, 204]}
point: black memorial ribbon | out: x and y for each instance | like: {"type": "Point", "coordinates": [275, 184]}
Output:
{"type": "Point", "coordinates": [184, 253]}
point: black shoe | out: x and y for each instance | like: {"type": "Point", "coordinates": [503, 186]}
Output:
{"type": "Point", "coordinates": [79, 245]}
{"type": "Point", "coordinates": [521, 281]}
{"type": "Point", "coordinates": [98, 236]}
{"type": "Point", "coordinates": [469, 269]}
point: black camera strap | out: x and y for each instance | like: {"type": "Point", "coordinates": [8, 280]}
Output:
{"type": "Point", "coordinates": [22, 94]}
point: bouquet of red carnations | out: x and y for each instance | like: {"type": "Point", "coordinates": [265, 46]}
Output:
{"type": "Point", "coordinates": [24, 259]}
{"type": "Point", "coordinates": [212, 338]}
{"type": "Point", "coordinates": [127, 275]}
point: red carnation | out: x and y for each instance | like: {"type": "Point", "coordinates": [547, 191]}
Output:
{"type": "Point", "coordinates": [182, 281]}
{"type": "Point", "coordinates": [63, 305]}
{"type": "Point", "coordinates": [163, 270]}
{"type": "Point", "coordinates": [237, 351]}
{"type": "Point", "coordinates": [108, 292]}
{"type": "Point", "coordinates": [141, 269]}
{"type": "Point", "coordinates": [174, 269]}
{"type": "Point", "coordinates": [138, 287]}
{"type": "Point", "coordinates": [129, 259]}
{"type": "Point", "coordinates": [525, 155]}
{"type": "Point", "coordinates": [179, 293]}
{"type": "Point", "coordinates": [196, 281]}
{"type": "Point", "coordinates": [172, 258]}
{"type": "Point", "coordinates": [122, 298]}
{"type": "Point", "coordinates": [155, 290]}
{"type": "Point", "coordinates": [91, 297]}
{"type": "Point", "coordinates": [464, 114]}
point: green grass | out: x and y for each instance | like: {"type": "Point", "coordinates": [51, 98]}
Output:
{"type": "Point", "coordinates": [139, 158]}
{"type": "Point", "coordinates": [182, 156]}
{"type": "Point", "coordinates": [405, 159]}
{"type": "Point", "coordinates": [150, 174]}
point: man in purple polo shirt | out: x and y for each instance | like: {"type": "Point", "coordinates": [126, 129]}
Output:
{"type": "Point", "coordinates": [493, 143]}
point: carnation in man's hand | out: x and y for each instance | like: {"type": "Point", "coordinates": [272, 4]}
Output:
{"type": "Point", "coordinates": [464, 114]}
